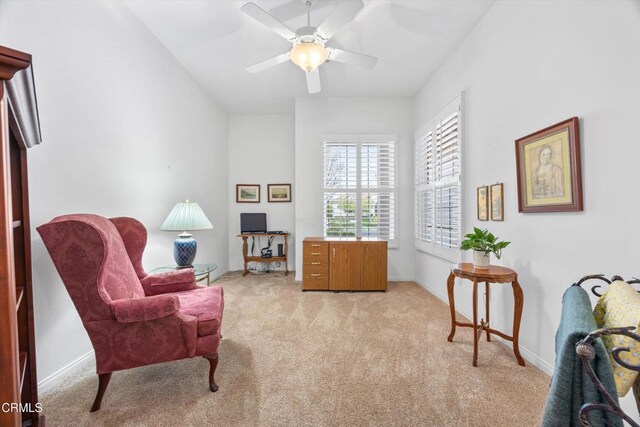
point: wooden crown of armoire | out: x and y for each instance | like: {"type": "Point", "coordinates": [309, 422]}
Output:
{"type": "Point", "coordinates": [19, 130]}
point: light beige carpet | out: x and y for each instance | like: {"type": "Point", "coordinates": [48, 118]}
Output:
{"type": "Point", "coordinates": [319, 359]}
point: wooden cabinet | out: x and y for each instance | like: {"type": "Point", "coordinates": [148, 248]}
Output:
{"type": "Point", "coordinates": [19, 129]}
{"type": "Point", "coordinates": [315, 265]}
{"type": "Point", "coordinates": [374, 266]}
{"type": "Point", "coordinates": [344, 264]}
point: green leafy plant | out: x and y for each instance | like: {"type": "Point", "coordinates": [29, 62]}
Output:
{"type": "Point", "coordinates": [483, 241]}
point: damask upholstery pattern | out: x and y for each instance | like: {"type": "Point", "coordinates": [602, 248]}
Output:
{"type": "Point", "coordinates": [127, 326]}
{"type": "Point", "coordinates": [199, 306]}
{"type": "Point", "coordinates": [134, 237]}
{"type": "Point", "coordinates": [143, 309]}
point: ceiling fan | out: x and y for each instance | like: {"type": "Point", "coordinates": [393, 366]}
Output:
{"type": "Point", "coordinates": [309, 51]}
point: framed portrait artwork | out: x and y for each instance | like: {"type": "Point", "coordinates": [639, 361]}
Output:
{"type": "Point", "coordinates": [496, 195]}
{"type": "Point", "coordinates": [483, 203]}
{"type": "Point", "coordinates": [279, 192]}
{"type": "Point", "coordinates": [548, 167]}
{"type": "Point", "coordinates": [247, 193]}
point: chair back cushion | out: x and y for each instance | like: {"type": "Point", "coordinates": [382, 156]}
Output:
{"type": "Point", "coordinates": [93, 263]}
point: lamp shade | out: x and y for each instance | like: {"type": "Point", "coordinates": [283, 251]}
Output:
{"type": "Point", "coordinates": [186, 216]}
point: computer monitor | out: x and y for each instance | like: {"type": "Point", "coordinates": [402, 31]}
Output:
{"type": "Point", "coordinates": [253, 223]}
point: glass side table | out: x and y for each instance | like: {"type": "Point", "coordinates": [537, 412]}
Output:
{"type": "Point", "coordinates": [202, 271]}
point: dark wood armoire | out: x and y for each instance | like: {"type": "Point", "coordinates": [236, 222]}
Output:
{"type": "Point", "coordinates": [19, 130]}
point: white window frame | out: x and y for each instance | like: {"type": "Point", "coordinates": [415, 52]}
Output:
{"type": "Point", "coordinates": [358, 139]}
{"type": "Point", "coordinates": [433, 247]}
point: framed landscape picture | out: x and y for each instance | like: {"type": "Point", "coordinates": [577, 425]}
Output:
{"type": "Point", "coordinates": [279, 192]}
{"type": "Point", "coordinates": [548, 167]}
{"type": "Point", "coordinates": [483, 203]}
{"type": "Point", "coordinates": [497, 202]}
{"type": "Point", "coordinates": [247, 193]}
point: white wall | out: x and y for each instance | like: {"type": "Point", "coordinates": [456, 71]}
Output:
{"type": "Point", "coordinates": [260, 152]}
{"type": "Point", "coordinates": [528, 65]}
{"type": "Point", "coordinates": [317, 116]}
{"type": "Point", "coordinates": [126, 132]}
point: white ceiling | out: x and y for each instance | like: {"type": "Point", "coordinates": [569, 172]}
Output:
{"type": "Point", "coordinates": [215, 42]}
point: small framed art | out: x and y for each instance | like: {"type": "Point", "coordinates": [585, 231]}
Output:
{"type": "Point", "coordinates": [548, 168]}
{"type": "Point", "coordinates": [247, 193]}
{"type": "Point", "coordinates": [279, 192]}
{"type": "Point", "coordinates": [497, 202]}
{"type": "Point", "coordinates": [483, 203]}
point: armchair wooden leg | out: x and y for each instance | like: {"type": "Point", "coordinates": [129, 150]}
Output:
{"type": "Point", "coordinates": [213, 364]}
{"type": "Point", "coordinates": [103, 382]}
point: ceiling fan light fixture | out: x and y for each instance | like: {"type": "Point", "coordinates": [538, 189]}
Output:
{"type": "Point", "coordinates": [308, 55]}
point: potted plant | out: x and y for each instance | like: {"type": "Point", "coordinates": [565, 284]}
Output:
{"type": "Point", "coordinates": [482, 243]}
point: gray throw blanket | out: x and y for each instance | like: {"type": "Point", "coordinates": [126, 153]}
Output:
{"type": "Point", "coordinates": [571, 387]}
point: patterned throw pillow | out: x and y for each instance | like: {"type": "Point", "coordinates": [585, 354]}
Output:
{"type": "Point", "coordinates": [619, 306]}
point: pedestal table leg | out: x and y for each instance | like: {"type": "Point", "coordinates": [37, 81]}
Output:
{"type": "Point", "coordinates": [475, 322]}
{"type": "Point", "coordinates": [487, 286]}
{"type": "Point", "coordinates": [518, 298]}
{"type": "Point", "coordinates": [452, 305]}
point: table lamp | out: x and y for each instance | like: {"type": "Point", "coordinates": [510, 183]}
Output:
{"type": "Point", "coordinates": [185, 216]}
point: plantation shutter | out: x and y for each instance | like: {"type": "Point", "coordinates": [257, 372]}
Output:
{"type": "Point", "coordinates": [424, 169]}
{"type": "Point", "coordinates": [360, 186]}
{"type": "Point", "coordinates": [447, 221]}
{"type": "Point", "coordinates": [340, 183]}
{"type": "Point", "coordinates": [437, 186]}
{"type": "Point", "coordinates": [378, 189]}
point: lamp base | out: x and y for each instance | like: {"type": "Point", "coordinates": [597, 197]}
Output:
{"type": "Point", "coordinates": [184, 250]}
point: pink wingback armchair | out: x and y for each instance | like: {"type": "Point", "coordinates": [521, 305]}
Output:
{"type": "Point", "coordinates": [132, 318]}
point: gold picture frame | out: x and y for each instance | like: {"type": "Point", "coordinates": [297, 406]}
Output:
{"type": "Point", "coordinates": [496, 195]}
{"type": "Point", "coordinates": [483, 203]}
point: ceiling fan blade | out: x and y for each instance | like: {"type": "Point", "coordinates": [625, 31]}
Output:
{"type": "Point", "coordinates": [313, 81]}
{"type": "Point", "coordinates": [265, 18]}
{"type": "Point", "coordinates": [263, 65]}
{"type": "Point", "coordinates": [343, 13]}
{"type": "Point", "coordinates": [352, 58]}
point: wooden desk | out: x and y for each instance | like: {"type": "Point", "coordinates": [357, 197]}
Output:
{"type": "Point", "coordinates": [493, 274]}
{"type": "Point", "coordinates": [248, 259]}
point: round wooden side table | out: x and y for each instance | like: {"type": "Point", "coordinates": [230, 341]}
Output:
{"type": "Point", "coordinates": [493, 274]}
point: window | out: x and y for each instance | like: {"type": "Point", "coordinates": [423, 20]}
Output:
{"type": "Point", "coordinates": [359, 186]}
{"type": "Point", "coordinates": [437, 183]}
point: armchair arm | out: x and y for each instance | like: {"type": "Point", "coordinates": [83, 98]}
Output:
{"type": "Point", "coordinates": [144, 309]}
{"type": "Point", "coordinates": [170, 281]}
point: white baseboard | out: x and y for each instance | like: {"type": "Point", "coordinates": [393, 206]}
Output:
{"type": "Point", "coordinates": [544, 366]}
{"type": "Point", "coordinates": [528, 355]}
{"type": "Point", "coordinates": [48, 383]}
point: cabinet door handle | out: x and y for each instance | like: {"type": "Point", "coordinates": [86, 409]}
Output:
{"type": "Point", "coordinates": [315, 253]}
{"type": "Point", "coordinates": [315, 246]}
{"type": "Point", "coordinates": [316, 263]}
{"type": "Point", "coordinates": [315, 275]}
{"type": "Point", "coordinates": [334, 252]}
